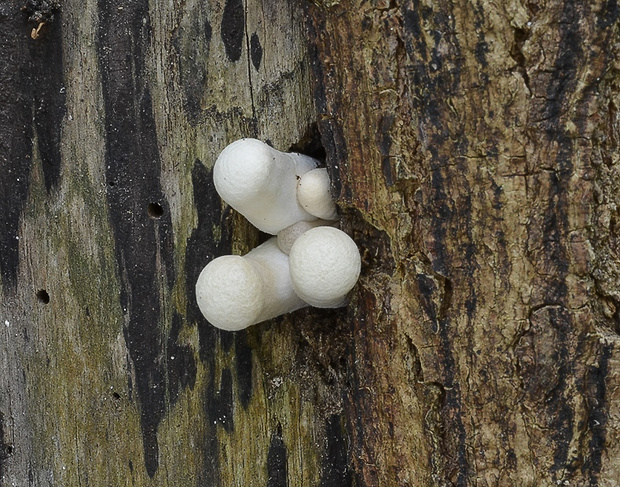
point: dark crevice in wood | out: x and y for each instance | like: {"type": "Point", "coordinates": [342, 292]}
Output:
{"type": "Point", "coordinates": [374, 244]}
{"type": "Point", "coordinates": [6, 448]}
{"type": "Point", "coordinates": [520, 37]}
{"type": "Point", "coordinates": [323, 345]}
{"type": "Point", "coordinates": [332, 137]}
{"type": "Point", "coordinates": [277, 471]}
{"type": "Point", "coordinates": [335, 469]}
{"type": "Point", "coordinates": [310, 143]}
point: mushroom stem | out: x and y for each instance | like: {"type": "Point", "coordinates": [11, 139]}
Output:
{"type": "Point", "coordinates": [261, 183]}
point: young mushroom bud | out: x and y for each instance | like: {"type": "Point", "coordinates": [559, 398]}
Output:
{"type": "Point", "coordinates": [261, 183]}
{"type": "Point", "coordinates": [234, 292]}
{"type": "Point", "coordinates": [324, 264]}
{"type": "Point", "coordinates": [313, 194]}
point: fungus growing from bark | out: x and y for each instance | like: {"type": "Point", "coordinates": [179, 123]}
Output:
{"type": "Point", "coordinates": [284, 195]}
{"type": "Point", "coordinates": [234, 292]}
{"type": "Point", "coordinates": [261, 183]}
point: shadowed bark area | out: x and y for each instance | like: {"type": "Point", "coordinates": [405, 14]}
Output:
{"type": "Point", "coordinates": [473, 152]}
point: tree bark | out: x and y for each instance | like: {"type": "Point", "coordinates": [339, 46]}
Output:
{"type": "Point", "coordinates": [473, 151]}
{"type": "Point", "coordinates": [480, 141]}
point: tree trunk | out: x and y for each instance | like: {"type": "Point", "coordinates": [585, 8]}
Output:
{"type": "Point", "coordinates": [473, 151]}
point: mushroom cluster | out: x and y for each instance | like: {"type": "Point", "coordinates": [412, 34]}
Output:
{"type": "Point", "coordinates": [307, 262]}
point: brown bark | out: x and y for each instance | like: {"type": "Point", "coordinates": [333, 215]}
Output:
{"type": "Point", "coordinates": [473, 150]}
{"type": "Point", "coordinates": [480, 140]}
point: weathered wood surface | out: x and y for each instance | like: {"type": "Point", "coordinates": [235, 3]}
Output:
{"type": "Point", "coordinates": [111, 122]}
{"type": "Point", "coordinates": [473, 148]}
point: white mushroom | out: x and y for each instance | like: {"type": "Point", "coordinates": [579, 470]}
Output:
{"type": "Point", "coordinates": [313, 194]}
{"type": "Point", "coordinates": [234, 292]}
{"type": "Point", "coordinates": [284, 195]}
{"type": "Point", "coordinates": [324, 265]}
{"type": "Point", "coordinates": [261, 183]}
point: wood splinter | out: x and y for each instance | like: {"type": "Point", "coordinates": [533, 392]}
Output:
{"type": "Point", "coordinates": [35, 31]}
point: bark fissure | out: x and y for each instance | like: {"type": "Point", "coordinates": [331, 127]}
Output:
{"type": "Point", "coordinates": [250, 58]}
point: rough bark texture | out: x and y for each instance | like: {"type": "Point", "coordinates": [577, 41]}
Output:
{"type": "Point", "coordinates": [480, 140]}
{"type": "Point", "coordinates": [474, 152]}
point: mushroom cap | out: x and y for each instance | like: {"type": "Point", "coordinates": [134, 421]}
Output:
{"type": "Point", "coordinates": [260, 182]}
{"type": "Point", "coordinates": [230, 293]}
{"type": "Point", "coordinates": [314, 196]}
{"type": "Point", "coordinates": [324, 265]}
{"type": "Point", "coordinates": [243, 170]}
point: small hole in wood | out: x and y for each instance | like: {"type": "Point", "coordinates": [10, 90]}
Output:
{"type": "Point", "coordinates": [43, 297]}
{"type": "Point", "coordinates": [155, 210]}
